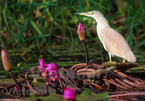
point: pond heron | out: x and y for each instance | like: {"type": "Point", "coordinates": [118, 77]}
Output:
{"type": "Point", "coordinates": [112, 41]}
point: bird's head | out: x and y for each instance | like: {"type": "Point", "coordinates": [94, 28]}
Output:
{"type": "Point", "coordinates": [94, 14]}
{"type": "Point", "coordinates": [98, 16]}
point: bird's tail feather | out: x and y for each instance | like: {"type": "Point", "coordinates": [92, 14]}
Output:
{"type": "Point", "coordinates": [130, 57]}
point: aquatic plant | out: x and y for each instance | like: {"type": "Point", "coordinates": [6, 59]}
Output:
{"type": "Point", "coordinates": [69, 94]}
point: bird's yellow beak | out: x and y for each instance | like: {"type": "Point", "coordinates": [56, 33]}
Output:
{"type": "Point", "coordinates": [82, 13]}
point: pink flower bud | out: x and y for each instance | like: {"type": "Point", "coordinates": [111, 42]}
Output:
{"type": "Point", "coordinates": [6, 60]}
{"type": "Point", "coordinates": [81, 32]}
{"type": "Point", "coordinates": [47, 83]}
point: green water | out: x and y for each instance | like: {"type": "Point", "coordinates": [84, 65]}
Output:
{"type": "Point", "coordinates": [63, 56]}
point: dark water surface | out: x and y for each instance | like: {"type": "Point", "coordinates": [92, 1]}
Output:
{"type": "Point", "coordinates": [62, 56]}
{"type": "Point", "coordinates": [66, 57]}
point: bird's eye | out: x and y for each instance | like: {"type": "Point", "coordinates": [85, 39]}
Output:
{"type": "Point", "coordinates": [92, 13]}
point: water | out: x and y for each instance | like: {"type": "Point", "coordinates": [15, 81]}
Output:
{"type": "Point", "coordinates": [64, 58]}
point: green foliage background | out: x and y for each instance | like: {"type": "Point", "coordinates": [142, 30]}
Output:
{"type": "Point", "coordinates": [39, 24]}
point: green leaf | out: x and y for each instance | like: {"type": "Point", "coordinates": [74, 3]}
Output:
{"type": "Point", "coordinates": [87, 92]}
{"type": "Point", "coordinates": [140, 44]}
{"type": "Point", "coordinates": [12, 39]}
{"type": "Point", "coordinates": [71, 34]}
{"type": "Point", "coordinates": [21, 38]}
{"type": "Point", "coordinates": [51, 52]}
{"type": "Point", "coordinates": [35, 27]}
{"type": "Point", "coordinates": [4, 17]}
{"type": "Point", "coordinates": [60, 12]}
{"type": "Point", "coordinates": [97, 4]}
{"type": "Point", "coordinates": [71, 2]}
{"type": "Point", "coordinates": [34, 37]}
{"type": "Point", "coordinates": [100, 96]}
{"type": "Point", "coordinates": [46, 7]}
{"type": "Point", "coordinates": [51, 97]}
{"type": "Point", "coordinates": [84, 95]}
{"type": "Point", "coordinates": [88, 96]}
{"type": "Point", "coordinates": [27, 49]}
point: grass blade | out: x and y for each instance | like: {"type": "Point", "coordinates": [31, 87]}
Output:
{"type": "Point", "coordinates": [35, 27]}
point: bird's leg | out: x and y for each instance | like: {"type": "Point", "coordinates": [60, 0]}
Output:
{"type": "Point", "coordinates": [110, 57]}
{"type": "Point", "coordinates": [123, 60]}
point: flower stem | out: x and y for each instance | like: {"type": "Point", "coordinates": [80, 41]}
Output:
{"type": "Point", "coordinates": [47, 93]}
{"type": "Point", "coordinates": [17, 84]}
{"type": "Point", "coordinates": [55, 87]}
{"type": "Point", "coordinates": [86, 51]}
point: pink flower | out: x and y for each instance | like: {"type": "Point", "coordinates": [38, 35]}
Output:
{"type": "Point", "coordinates": [69, 94]}
{"type": "Point", "coordinates": [48, 70]}
{"type": "Point", "coordinates": [53, 66]}
{"type": "Point", "coordinates": [51, 71]}
{"type": "Point", "coordinates": [16, 88]}
{"type": "Point", "coordinates": [50, 67]}
{"type": "Point", "coordinates": [41, 64]}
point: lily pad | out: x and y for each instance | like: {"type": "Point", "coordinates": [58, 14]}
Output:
{"type": "Point", "coordinates": [88, 96]}
{"type": "Point", "coordinates": [51, 97]}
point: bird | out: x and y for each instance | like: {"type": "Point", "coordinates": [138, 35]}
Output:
{"type": "Point", "coordinates": [112, 41]}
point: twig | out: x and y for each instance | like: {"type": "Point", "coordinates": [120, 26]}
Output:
{"type": "Point", "coordinates": [29, 85]}
{"type": "Point", "coordinates": [128, 94]}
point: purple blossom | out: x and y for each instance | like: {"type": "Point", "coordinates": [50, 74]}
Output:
{"type": "Point", "coordinates": [69, 94]}
{"type": "Point", "coordinates": [81, 27]}
{"type": "Point", "coordinates": [50, 67]}
{"type": "Point", "coordinates": [51, 71]}
{"type": "Point", "coordinates": [41, 64]}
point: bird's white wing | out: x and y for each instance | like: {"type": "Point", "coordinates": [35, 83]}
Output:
{"type": "Point", "coordinates": [117, 45]}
